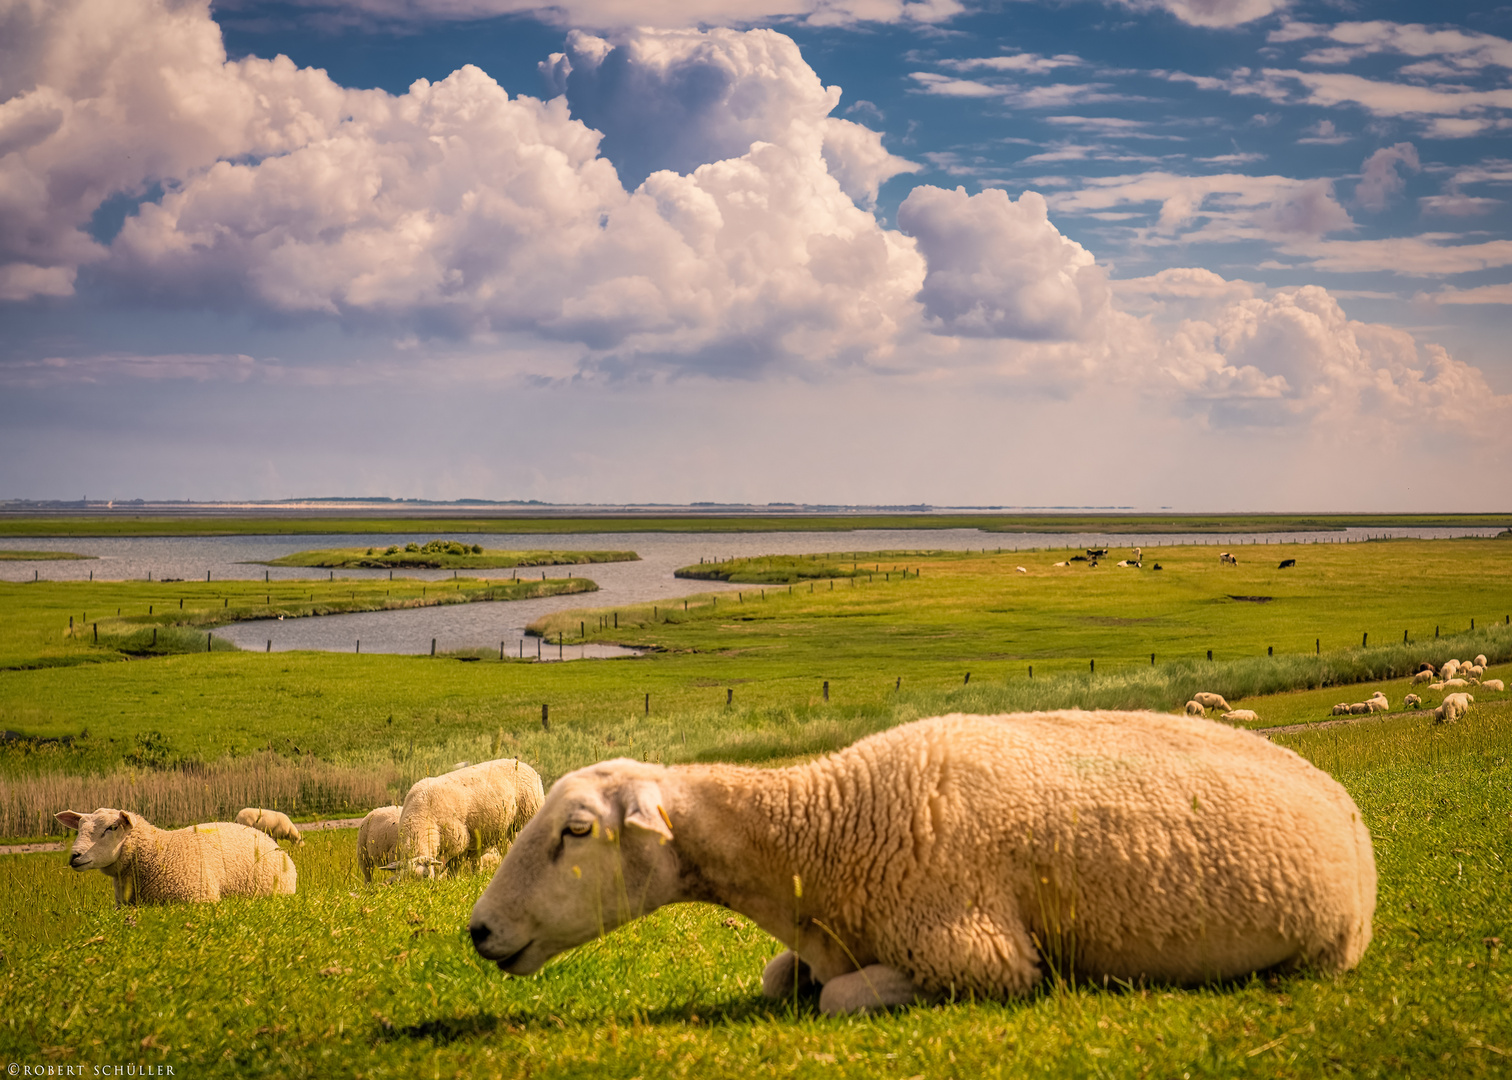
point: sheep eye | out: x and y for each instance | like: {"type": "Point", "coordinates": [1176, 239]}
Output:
{"type": "Point", "coordinates": [579, 828]}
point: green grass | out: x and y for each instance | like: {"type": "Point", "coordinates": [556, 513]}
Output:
{"type": "Point", "coordinates": [121, 524]}
{"type": "Point", "coordinates": [434, 557]}
{"type": "Point", "coordinates": [38, 556]}
{"type": "Point", "coordinates": [349, 979]}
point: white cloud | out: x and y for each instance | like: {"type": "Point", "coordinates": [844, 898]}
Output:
{"type": "Point", "coordinates": [1325, 134]}
{"type": "Point", "coordinates": [1455, 51]}
{"type": "Point", "coordinates": [1484, 294]}
{"type": "Point", "coordinates": [1217, 14]}
{"type": "Point", "coordinates": [1230, 205]}
{"type": "Point", "coordinates": [1027, 63]}
{"type": "Point", "coordinates": [999, 268]}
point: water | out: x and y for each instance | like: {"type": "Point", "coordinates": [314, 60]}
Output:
{"type": "Point", "coordinates": [490, 625]}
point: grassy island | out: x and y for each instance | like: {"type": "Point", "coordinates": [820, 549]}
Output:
{"type": "Point", "coordinates": [40, 556]}
{"type": "Point", "coordinates": [443, 555]}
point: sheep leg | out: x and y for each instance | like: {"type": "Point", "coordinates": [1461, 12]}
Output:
{"type": "Point", "coordinates": [777, 978]}
{"type": "Point", "coordinates": [874, 987]}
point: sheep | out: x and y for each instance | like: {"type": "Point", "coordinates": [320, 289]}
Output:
{"type": "Point", "coordinates": [1341, 709]}
{"type": "Point", "coordinates": [1412, 701]}
{"type": "Point", "coordinates": [1462, 701]}
{"type": "Point", "coordinates": [378, 839]}
{"type": "Point", "coordinates": [1456, 682]}
{"type": "Point", "coordinates": [1194, 708]}
{"type": "Point", "coordinates": [1494, 684]}
{"type": "Point", "coordinates": [1449, 668]}
{"type": "Point", "coordinates": [1060, 564]}
{"type": "Point", "coordinates": [1480, 660]}
{"type": "Point", "coordinates": [1422, 677]}
{"type": "Point", "coordinates": [275, 824]}
{"type": "Point", "coordinates": [489, 861]}
{"type": "Point", "coordinates": [199, 864]}
{"type": "Point", "coordinates": [939, 857]}
{"type": "Point", "coordinates": [1242, 716]}
{"type": "Point", "coordinates": [1211, 701]}
{"type": "Point", "coordinates": [448, 818]}
{"type": "Point", "coordinates": [1360, 708]}
{"type": "Point", "coordinates": [1436, 686]}
{"type": "Point", "coordinates": [1452, 708]}
{"type": "Point", "coordinates": [1227, 559]}
{"type": "Point", "coordinates": [1378, 702]}
{"type": "Point", "coordinates": [1020, 569]}
{"type": "Point", "coordinates": [1473, 671]}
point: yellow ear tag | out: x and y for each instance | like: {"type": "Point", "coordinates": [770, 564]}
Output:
{"type": "Point", "coordinates": [663, 812]}
{"type": "Point", "coordinates": [576, 872]}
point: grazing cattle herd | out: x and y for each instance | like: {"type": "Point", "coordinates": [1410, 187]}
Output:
{"type": "Point", "coordinates": [933, 859]}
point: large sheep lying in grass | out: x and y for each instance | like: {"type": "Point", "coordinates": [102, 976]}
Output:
{"type": "Point", "coordinates": [200, 863]}
{"type": "Point", "coordinates": [275, 824]}
{"type": "Point", "coordinates": [962, 853]}
{"type": "Point", "coordinates": [462, 814]}
{"type": "Point", "coordinates": [378, 839]}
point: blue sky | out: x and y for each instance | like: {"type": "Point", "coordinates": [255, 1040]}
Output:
{"type": "Point", "coordinates": [1213, 254]}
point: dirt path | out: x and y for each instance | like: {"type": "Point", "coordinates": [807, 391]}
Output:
{"type": "Point", "coordinates": [304, 826]}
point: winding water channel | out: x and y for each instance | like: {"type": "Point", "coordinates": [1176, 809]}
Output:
{"type": "Point", "coordinates": [501, 624]}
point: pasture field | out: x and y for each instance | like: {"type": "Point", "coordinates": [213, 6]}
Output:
{"type": "Point", "coordinates": [125, 523]}
{"type": "Point", "coordinates": [352, 979]}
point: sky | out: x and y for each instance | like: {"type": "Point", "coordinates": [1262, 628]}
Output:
{"type": "Point", "coordinates": [1197, 254]}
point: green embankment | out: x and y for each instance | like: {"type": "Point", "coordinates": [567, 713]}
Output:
{"type": "Point", "coordinates": [123, 524]}
{"type": "Point", "coordinates": [443, 555]}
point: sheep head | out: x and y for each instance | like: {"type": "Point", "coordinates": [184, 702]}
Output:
{"type": "Point", "coordinates": [101, 835]}
{"type": "Point", "coordinates": [597, 854]}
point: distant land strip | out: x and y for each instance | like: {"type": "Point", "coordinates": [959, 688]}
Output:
{"type": "Point", "coordinates": [284, 523]}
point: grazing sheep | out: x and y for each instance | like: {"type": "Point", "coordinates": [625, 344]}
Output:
{"type": "Point", "coordinates": [1494, 684]}
{"type": "Point", "coordinates": [1287, 564]}
{"type": "Point", "coordinates": [1463, 701]}
{"type": "Point", "coordinates": [1243, 716]}
{"type": "Point", "coordinates": [1194, 708]}
{"type": "Point", "coordinates": [1020, 569]}
{"type": "Point", "coordinates": [461, 814]}
{"type": "Point", "coordinates": [1449, 669]}
{"type": "Point", "coordinates": [1426, 666]}
{"type": "Point", "coordinates": [1436, 686]}
{"type": "Point", "coordinates": [1456, 682]}
{"type": "Point", "coordinates": [275, 824]}
{"type": "Point", "coordinates": [155, 866]}
{"type": "Point", "coordinates": [1422, 677]}
{"type": "Point", "coordinates": [1227, 559]}
{"type": "Point", "coordinates": [1480, 660]}
{"type": "Point", "coordinates": [1412, 701]}
{"type": "Point", "coordinates": [378, 839]}
{"type": "Point", "coordinates": [1473, 671]}
{"type": "Point", "coordinates": [1211, 701]}
{"type": "Point", "coordinates": [489, 861]}
{"type": "Point", "coordinates": [941, 857]}
{"type": "Point", "coordinates": [1452, 708]}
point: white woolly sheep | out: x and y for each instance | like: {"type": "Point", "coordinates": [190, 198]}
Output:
{"type": "Point", "coordinates": [1021, 570]}
{"type": "Point", "coordinates": [1436, 687]}
{"type": "Point", "coordinates": [1060, 564]}
{"type": "Point", "coordinates": [1455, 683]}
{"type": "Point", "coordinates": [1452, 708]}
{"type": "Point", "coordinates": [1472, 671]}
{"type": "Point", "coordinates": [1480, 660]}
{"type": "Point", "coordinates": [378, 839]}
{"type": "Point", "coordinates": [1493, 684]}
{"type": "Point", "coordinates": [1462, 701]}
{"type": "Point", "coordinates": [1341, 709]}
{"type": "Point", "coordinates": [459, 815]}
{"type": "Point", "coordinates": [1378, 703]}
{"type": "Point", "coordinates": [1360, 708]}
{"type": "Point", "coordinates": [1243, 716]}
{"type": "Point", "coordinates": [1422, 677]}
{"type": "Point", "coordinates": [1211, 701]}
{"type": "Point", "coordinates": [1412, 701]}
{"type": "Point", "coordinates": [156, 866]}
{"type": "Point", "coordinates": [1194, 708]}
{"type": "Point", "coordinates": [275, 824]}
{"type": "Point", "coordinates": [489, 861]}
{"type": "Point", "coordinates": [935, 855]}
{"type": "Point", "coordinates": [1449, 668]}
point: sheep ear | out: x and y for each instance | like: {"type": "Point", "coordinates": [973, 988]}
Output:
{"type": "Point", "coordinates": [69, 819]}
{"type": "Point", "coordinates": [643, 810]}
{"type": "Point", "coordinates": [124, 821]}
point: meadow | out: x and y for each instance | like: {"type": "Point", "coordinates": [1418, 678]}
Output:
{"type": "Point", "coordinates": [353, 979]}
{"type": "Point", "coordinates": [443, 555]}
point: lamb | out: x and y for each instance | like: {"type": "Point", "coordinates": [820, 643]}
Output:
{"type": "Point", "coordinates": [930, 859]}
{"type": "Point", "coordinates": [1211, 701]}
{"type": "Point", "coordinates": [1473, 671]}
{"type": "Point", "coordinates": [1360, 708]}
{"type": "Point", "coordinates": [378, 839]}
{"type": "Point", "coordinates": [1341, 709]}
{"type": "Point", "coordinates": [199, 864]}
{"type": "Point", "coordinates": [275, 824]}
{"type": "Point", "coordinates": [1412, 701]}
{"type": "Point", "coordinates": [1494, 684]}
{"type": "Point", "coordinates": [1194, 708]}
{"type": "Point", "coordinates": [1422, 677]}
{"type": "Point", "coordinates": [459, 815]}
{"type": "Point", "coordinates": [1242, 716]}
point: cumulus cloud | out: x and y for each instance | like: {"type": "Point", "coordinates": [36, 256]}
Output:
{"type": "Point", "coordinates": [999, 268]}
{"type": "Point", "coordinates": [1217, 14]}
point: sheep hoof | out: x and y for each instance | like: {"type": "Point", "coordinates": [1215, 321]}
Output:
{"type": "Point", "coordinates": [872, 988]}
{"type": "Point", "coordinates": [777, 976]}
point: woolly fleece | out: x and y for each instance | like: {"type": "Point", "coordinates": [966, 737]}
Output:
{"type": "Point", "coordinates": [200, 863]}
{"type": "Point", "coordinates": [1133, 845]}
{"type": "Point", "coordinates": [465, 812]}
{"type": "Point", "coordinates": [273, 822]}
{"type": "Point", "coordinates": [378, 839]}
